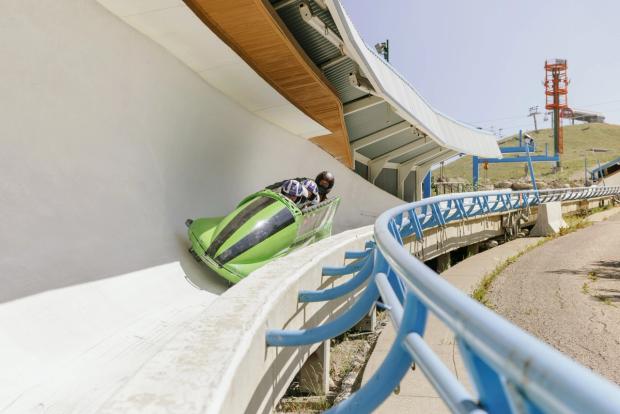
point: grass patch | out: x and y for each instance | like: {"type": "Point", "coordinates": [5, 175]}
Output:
{"type": "Point", "coordinates": [592, 276]}
{"type": "Point", "coordinates": [605, 300]}
{"type": "Point", "coordinates": [482, 289]}
{"type": "Point", "coordinates": [578, 140]}
{"type": "Point", "coordinates": [310, 404]}
{"type": "Point", "coordinates": [579, 221]}
{"type": "Point", "coordinates": [585, 288]}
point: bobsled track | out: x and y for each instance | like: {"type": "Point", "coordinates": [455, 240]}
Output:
{"type": "Point", "coordinates": [109, 143]}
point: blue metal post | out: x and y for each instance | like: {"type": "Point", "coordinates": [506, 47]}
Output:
{"type": "Point", "coordinates": [475, 171]}
{"type": "Point", "coordinates": [487, 381]}
{"type": "Point", "coordinates": [530, 167]}
{"type": "Point", "coordinates": [426, 186]}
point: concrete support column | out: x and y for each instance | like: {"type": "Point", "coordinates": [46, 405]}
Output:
{"type": "Point", "coordinates": [403, 173]}
{"type": "Point", "coordinates": [374, 169]}
{"type": "Point", "coordinates": [369, 322]}
{"type": "Point", "coordinates": [473, 249]}
{"type": "Point", "coordinates": [314, 374]}
{"type": "Point", "coordinates": [443, 262]}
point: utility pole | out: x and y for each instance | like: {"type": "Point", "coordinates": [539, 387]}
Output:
{"type": "Point", "coordinates": [556, 92]}
{"type": "Point", "coordinates": [533, 113]}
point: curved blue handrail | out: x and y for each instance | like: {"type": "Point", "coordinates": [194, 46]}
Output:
{"type": "Point", "coordinates": [340, 290]}
{"type": "Point", "coordinates": [510, 368]}
{"type": "Point", "coordinates": [361, 307]}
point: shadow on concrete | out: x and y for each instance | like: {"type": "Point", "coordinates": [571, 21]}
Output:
{"type": "Point", "coordinates": [604, 269]}
{"type": "Point", "coordinates": [290, 359]}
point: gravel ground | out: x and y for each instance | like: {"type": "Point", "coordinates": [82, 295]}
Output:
{"type": "Point", "coordinates": [567, 292]}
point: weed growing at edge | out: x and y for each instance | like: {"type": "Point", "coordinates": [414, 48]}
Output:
{"type": "Point", "coordinates": [574, 223]}
{"type": "Point", "coordinates": [585, 289]}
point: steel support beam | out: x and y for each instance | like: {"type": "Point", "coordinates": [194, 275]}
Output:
{"type": "Point", "coordinates": [534, 158]}
{"type": "Point", "coordinates": [442, 155]}
{"type": "Point", "coordinates": [362, 104]}
{"type": "Point", "coordinates": [377, 164]}
{"type": "Point", "coordinates": [361, 83]}
{"type": "Point", "coordinates": [333, 62]}
{"type": "Point", "coordinates": [317, 24]}
{"type": "Point", "coordinates": [422, 151]}
{"type": "Point", "coordinates": [511, 150]}
{"type": "Point", "coordinates": [380, 135]}
{"type": "Point", "coordinates": [424, 168]}
{"type": "Point", "coordinates": [283, 3]}
{"type": "Point", "coordinates": [402, 150]}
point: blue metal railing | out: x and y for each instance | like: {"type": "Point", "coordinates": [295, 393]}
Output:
{"type": "Point", "coordinates": [511, 370]}
{"type": "Point", "coordinates": [601, 170]}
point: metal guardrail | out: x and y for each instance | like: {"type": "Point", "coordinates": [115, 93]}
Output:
{"type": "Point", "coordinates": [512, 371]}
{"type": "Point", "coordinates": [601, 171]}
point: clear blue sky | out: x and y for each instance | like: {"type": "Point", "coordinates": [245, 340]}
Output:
{"type": "Point", "coordinates": [482, 61]}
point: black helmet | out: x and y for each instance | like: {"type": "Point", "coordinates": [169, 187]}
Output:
{"type": "Point", "coordinates": [325, 181]}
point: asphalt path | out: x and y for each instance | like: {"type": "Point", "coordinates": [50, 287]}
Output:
{"type": "Point", "coordinates": [567, 292]}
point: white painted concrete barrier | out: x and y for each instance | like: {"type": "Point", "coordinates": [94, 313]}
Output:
{"type": "Point", "coordinates": [108, 143]}
{"type": "Point", "coordinates": [203, 357]}
{"type": "Point", "coordinates": [549, 219]}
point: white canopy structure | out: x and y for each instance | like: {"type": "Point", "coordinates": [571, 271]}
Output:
{"type": "Point", "coordinates": [406, 101]}
{"type": "Point", "coordinates": [394, 133]}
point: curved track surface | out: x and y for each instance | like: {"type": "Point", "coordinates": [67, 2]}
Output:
{"type": "Point", "coordinates": [567, 292]}
{"type": "Point", "coordinates": [108, 144]}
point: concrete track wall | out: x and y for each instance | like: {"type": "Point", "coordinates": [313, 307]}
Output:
{"type": "Point", "coordinates": [109, 143]}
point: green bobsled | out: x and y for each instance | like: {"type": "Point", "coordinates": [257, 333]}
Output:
{"type": "Point", "coordinates": [265, 226]}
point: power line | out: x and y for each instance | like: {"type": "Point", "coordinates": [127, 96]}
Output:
{"type": "Point", "coordinates": [601, 103]}
{"type": "Point", "coordinates": [499, 119]}
{"type": "Point", "coordinates": [527, 116]}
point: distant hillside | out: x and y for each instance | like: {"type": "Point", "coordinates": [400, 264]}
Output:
{"type": "Point", "coordinates": [578, 140]}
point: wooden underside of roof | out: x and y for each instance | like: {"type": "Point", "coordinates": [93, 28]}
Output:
{"type": "Point", "coordinates": [255, 32]}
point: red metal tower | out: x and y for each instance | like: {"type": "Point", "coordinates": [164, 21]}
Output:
{"type": "Point", "coordinates": [556, 91]}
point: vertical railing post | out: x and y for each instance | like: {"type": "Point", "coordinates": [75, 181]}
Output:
{"type": "Point", "coordinates": [394, 367]}
{"type": "Point", "coordinates": [490, 386]}
{"type": "Point", "coordinates": [426, 186]}
{"type": "Point", "coordinates": [381, 266]}
{"type": "Point", "coordinates": [475, 172]}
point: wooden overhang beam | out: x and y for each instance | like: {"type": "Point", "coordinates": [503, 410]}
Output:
{"type": "Point", "coordinates": [253, 29]}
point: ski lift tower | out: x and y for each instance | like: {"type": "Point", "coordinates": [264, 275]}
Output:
{"type": "Point", "coordinates": [556, 91]}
